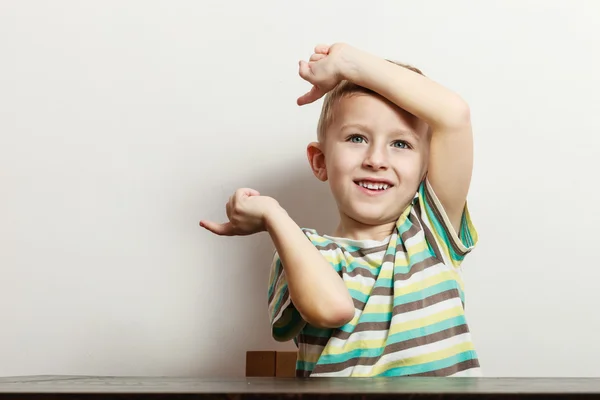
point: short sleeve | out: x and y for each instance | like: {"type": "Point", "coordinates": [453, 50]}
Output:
{"type": "Point", "coordinates": [286, 321]}
{"type": "Point", "coordinates": [454, 245]}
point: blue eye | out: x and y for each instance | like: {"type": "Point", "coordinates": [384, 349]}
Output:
{"type": "Point", "coordinates": [399, 144]}
{"type": "Point", "coordinates": [356, 139]}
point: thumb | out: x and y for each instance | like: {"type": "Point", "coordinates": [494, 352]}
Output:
{"type": "Point", "coordinates": [225, 229]}
{"type": "Point", "coordinates": [313, 95]}
{"type": "Point", "coordinates": [252, 192]}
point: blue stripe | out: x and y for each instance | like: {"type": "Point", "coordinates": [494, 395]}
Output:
{"type": "Point", "coordinates": [305, 365]}
{"type": "Point", "coordinates": [395, 338]}
{"type": "Point", "coordinates": [375, 317]}
{"type": "Point", "coordinates": [275, 275]}
{"type": "Point", "coordinates": [418, 257]}
{"type": "Point", "coordinates": [338, 266]}
{"type": "Point", "coordinates": [354, 265]}
{"type": "Point", "coordinates": [427, 330]}
{"type": "Point", "coordinates": [383, 282]}
{"type": "Point", "coordinates": [426, 292]}
{"type": "Point", "coordinates": [340, 358]}
{"type": "Point", "coordinates": [360, 296]}
{"type": "Point", "coordinates": [430, 366]}
{"type": "Point", "coordinates": [294, 323]}
{"type": "Point", "coordinates": [278, 302]}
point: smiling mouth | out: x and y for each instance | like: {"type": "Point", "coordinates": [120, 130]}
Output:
{"type": "Point", "coordinates": [377, 187]}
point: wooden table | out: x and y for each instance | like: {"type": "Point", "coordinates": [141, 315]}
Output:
{"type": "Point", "coordinates": [150, 388]}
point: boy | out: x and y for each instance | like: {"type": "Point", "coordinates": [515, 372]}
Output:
{"type": "Point", "coordinates": [382, 296]}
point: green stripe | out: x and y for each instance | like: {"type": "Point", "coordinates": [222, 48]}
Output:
{"type": "Point", "coordinates": [426, 292]}
{"type": "Point", "coordinates": [430, 366]}
{"type": "Point", "coordinates": [392, 339]}
{"type": "Point", "coordinates": [275, 275]}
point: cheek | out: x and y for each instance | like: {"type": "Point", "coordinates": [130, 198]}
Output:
{"type": "Point", "coordinates": [339, 171]}
{"type": "Point", "coordinates": [339, 163]}
{"type": "Point", "coordinates": [410, 167]}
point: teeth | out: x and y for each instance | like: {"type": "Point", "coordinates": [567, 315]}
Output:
{"type": "Point", "coordinates": [374, 186]}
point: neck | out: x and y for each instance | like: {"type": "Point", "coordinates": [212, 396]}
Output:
{"type": "Point", "coordinates": [352, 229]}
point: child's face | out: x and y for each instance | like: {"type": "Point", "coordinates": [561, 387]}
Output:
{"type": "Point", "coordinates": [373, 143]}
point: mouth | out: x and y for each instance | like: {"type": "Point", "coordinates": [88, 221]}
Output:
{"type": "Point", "coordinates": [373, 186]}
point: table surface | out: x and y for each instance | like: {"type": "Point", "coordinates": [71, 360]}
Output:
{"type": "Point", "coordinates": [327, 386]}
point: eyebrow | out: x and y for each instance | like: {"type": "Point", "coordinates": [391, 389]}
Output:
{"type": "Point", "coordinates": [401, 132]}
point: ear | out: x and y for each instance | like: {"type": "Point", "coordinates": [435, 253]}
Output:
{"type": "Point", "coordinates": [316, 159]}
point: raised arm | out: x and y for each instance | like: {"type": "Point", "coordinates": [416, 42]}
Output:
{"type": "Point", "coordinates": [316, 290]}
{"type": "Point", "coordinates": [446, 113]}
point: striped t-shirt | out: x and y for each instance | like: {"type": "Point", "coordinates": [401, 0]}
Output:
{"type": "Point", "coordinates": [408, 296]}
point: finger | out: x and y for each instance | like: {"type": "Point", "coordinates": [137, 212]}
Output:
{"type": "Point", "coordinates": [225, 229]}
{"type": "Point", "coordinates": [312, 96]}
{"type": "Point", "coordinates": [305, 71]}
{"type": "Point", "coordinates": [228, 210]}
{"type": "Point", "coordinates": [317, 57]}
{"type": "Point", "coordinates": [244, 193]}
{"type": "Point", "coordinates": [322, 49]}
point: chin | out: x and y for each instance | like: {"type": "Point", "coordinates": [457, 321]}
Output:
{"type": "Point", "coordinates": [371, 217]}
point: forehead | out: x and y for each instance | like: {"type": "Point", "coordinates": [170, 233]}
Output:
{"type": "Point", "coordinates": [375, 113]}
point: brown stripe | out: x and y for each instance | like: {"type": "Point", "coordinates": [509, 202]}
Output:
{"type": "Point", "coordinates": [370, 361]}
{"type": "Point", "coordinates": [453, 369]}
{"type": "Point", "coordinates": [284, 298]}
{"type": "Point", "coordinates": [313, 340]}
{"type": "Point", "coordinates": [359, 271]}
{"type": "Point", "coordinates": [301, 373]}
{"type": "Point", "coordinates": [429, 236]}
{"type": "Point", "coordinates": [358, 304]}
{"type": "Point", "coordinates": [423, 340]}
{"type": "Point", "coordinates": [415, 226]}
{"type": "Point", "coordinates": [366, 251]}
{"type": "Point", "coordinates": [328, 246]}
{"type": "Point", "coordinates": [415, 268]}
{"type": "Point", "coordinates": [388, 257]}
{"type": "Point", "coordinates": [399, 309]}
{"type": "Point", "coordinates": [389, 291]}
{"type": "Point", "coordinates": [364, 326]}
{"type": "Point", "coordinates": [358, 253]}
{"type": "Point", "coordinates": [279, 272]}
{"type": "Point", "coordinates": [426, 302]}
{"type": "Point", "coordinates": [439, 217]}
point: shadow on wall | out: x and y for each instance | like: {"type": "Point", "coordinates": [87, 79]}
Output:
{"type": "Point", "coordinates": [309, 202]}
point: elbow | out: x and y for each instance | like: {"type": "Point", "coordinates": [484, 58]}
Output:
{"type": "Point", "coordinates": [332, 316]}
{"type": "Point", "coordinates": [461, 114]}
{"type": "Point", "coordinates": [457, 116]}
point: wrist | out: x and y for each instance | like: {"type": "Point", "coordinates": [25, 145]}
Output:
{"type": "Point", "coordinates": [273, 215]}
{"type": "Point", "coordinates": [349, 68]}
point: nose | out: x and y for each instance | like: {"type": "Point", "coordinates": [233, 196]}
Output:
{"type": "Point", "coordinates": [376, 159]}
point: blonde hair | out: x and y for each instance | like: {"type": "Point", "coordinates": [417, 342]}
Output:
{"type": "Point", "coordinates": [345, 89]}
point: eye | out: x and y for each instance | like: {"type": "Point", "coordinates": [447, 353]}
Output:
{"type": "Point", "coordinates": [355, 139]}
{"type": "Point", "coordinates": [400, 144]}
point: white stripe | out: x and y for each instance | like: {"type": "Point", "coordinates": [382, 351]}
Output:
{"type": "Point", "coordinates": [364, 335]}
{"type": "Point", "coordinates": [415, 352]}
{"type": "Point", "coordinates": [343, 373]}
{"type": "Point", "coordinates": [362, 280]}
{"type": "Point", "coordinates": [415, 240]}
{"type": "Point", "coordinates": [422, 275]}
{"type": "Point", "coordinates": [380, 299]}
{"type": "Point", "coordinates": [397, 319]}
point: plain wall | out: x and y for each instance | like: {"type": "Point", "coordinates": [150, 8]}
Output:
{"type": "Point", "coordinates": [123, 123]}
